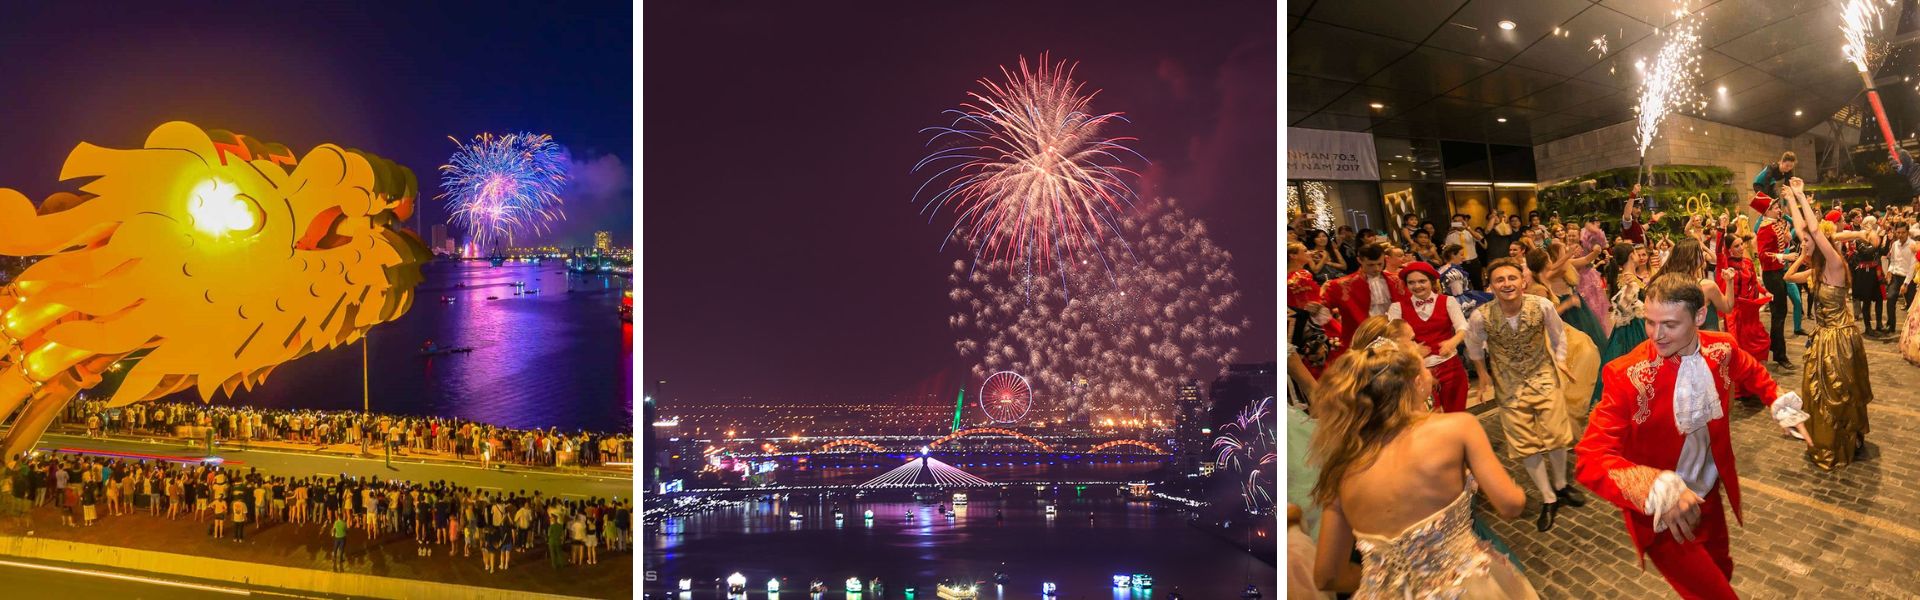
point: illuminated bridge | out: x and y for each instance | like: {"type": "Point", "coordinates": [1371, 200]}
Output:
{"type": "Point", "coordinates": [993, 441]}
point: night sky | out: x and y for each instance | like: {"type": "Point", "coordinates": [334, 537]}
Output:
{"type": "Point", "coordinates": [783, 258]}
{"type": "Point", "coordinates": [392, 78]}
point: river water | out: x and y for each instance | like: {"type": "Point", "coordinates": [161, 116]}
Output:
{"type": "Point", "coordinates": [554, 359]}
{"type": "Point", "coordinates": [990, 534]}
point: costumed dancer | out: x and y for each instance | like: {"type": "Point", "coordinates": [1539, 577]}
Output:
{"type": "Point", "coordinates": [1522, 338]}
{"type": "Point", "coordinates": [1629, 271]}
{"type": "Point", "coordinates": [1365, 293]}
{"type": "Point", "coordinates": [1440, 326]}
{"type": "Point", "coordinates": [1689, 258]}
{"type": "Point", "coordinates": [1743, 284]}
{"type": "Point", "coordinates": [1660, 446]}
{"type": "Point", "coordinates": [1772, 245]}
{"type": "Point", "coordinates": [1593, 286]}
{"type": "Point", "coordinates": [1834, 380]}
{"type": "Point", "coordinates": [1400, 482]}
{"type": "Point", "coordinates": [1580, 367]}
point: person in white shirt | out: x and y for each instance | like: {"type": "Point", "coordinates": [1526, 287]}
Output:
{"type": "Point", "coordinates": [1515, 343]}
{"type": "Point", "coordinates": [1439, 325]}
{"type": "Point", "coordinates": [1900, 268]}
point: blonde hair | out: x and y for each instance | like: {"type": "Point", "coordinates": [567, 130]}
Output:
{"type": "Point", "coordinates": [1379, 326]}
{"type": "Point", "coordinates": [1365, 399]}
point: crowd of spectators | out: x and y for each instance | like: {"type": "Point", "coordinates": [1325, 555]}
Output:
{"type": "Point", "coordinates": [458, 438]}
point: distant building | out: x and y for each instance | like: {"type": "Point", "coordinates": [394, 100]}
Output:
{"type": "Point", "coordinates": [603, 242]}
{"type": "Point", "coordinates": [1190, 441]}
{"type": "Point", "coordinates": [440, 241]}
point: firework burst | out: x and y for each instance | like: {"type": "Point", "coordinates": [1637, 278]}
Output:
{"type": "Point", "coordinates": [1113, 333]}
{"type": "Point", "coordinates": [1026, 170]}
{"type": "Point", "coordinates": [1245, 448]}
{"type": "Point", "coordinates": [500, 186]}
{"type": "Point", "coordinates": [1669, 80]}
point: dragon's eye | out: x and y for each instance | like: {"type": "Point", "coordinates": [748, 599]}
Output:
{"type": "Point", "coordinates": [218, 208]}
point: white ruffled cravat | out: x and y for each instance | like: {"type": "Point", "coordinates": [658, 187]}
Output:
{"type": "Point", "coordinates": [1695, 399]}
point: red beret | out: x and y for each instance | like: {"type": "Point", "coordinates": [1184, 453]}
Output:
{"type": "Point", "coordinates": [1833, 216]}
{"type": "Point", "coordinates": [1419, 267]}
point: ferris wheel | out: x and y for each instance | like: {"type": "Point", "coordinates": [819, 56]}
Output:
{"type": "Point", "coordinates": [1006, 396]}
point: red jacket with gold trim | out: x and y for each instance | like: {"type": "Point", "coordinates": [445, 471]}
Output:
{"type": "Point", "coordinates": [1352, 298]}
{"type": "Point", "coordinates": [1631, 436]}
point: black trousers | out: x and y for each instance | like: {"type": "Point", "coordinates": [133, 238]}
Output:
{"type": "Point", "coordinates": [1897, 298]}
{"type": "Point", "coordinates": [1776, 284]}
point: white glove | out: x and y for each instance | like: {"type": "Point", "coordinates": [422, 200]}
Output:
{"type": "Point", "coordinates": [1665, 493]}
{"type": "Point", "coordinates": [1787, 410]}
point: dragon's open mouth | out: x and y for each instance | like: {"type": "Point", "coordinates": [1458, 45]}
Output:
{"type": "Point", "coordinates": [322, 232]}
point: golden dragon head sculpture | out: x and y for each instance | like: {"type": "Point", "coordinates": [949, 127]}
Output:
{"type": "Point", "coordinates": [216, 255]}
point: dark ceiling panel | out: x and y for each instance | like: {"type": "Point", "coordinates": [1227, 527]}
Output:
{"type": "Point", "coordinates": [1413, 20]}
{"type": "Point", "coordinates": [1358, 102]}
{"type": "Point", "coordinates": [1809, 63]}
{"type": "Point", "coordinates": [1773, 56]}
{"type": "Point", "coordinates": [1312, 93]}
{"type": "Point", "coordinates": [1575, 51]}
{"type": "Point", "coordinates": [1432, 71]}
{"type": "Point", "coordinates": [1785, 33]}
{"type": "Point", "coordinates": [1449, 110]}
{"type": "Point", "coordinates": [1299, 7]}
{"type": "Point", "coordinates": [1339, 53]}
{"type": "Point", "coordinates": [1506, 85]}
{"type": "Point", "coordinates": [1656, 13]}
{"type": "Point", "coordinates": [1569, 93]}
{"type": "Point", "coordinates": [1335, 122]}
{"type": "Point", "coordinates": [1475, 29]}
{"type": "Point", "coordinates": [1728, 20]}
{"type": "Point", "coordinates": [1596, 106]}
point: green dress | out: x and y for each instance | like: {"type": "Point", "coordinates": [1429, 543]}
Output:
{"type": "Point", "coordinates": [1629, 327]}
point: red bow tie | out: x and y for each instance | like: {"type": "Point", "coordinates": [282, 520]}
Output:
{"type": "Point", "coordinates": [1422, 303]}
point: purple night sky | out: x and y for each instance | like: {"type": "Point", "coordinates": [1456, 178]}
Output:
{"type": "Point", "coordinates": [783, 258]}
{"type": "Point", "coordinates": [394, 78]}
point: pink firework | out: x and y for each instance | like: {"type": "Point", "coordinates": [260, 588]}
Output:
{"type": "Point", "coordinates": [1026, 170]}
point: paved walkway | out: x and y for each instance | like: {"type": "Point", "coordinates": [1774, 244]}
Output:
{"type": "Point", "coordinates": [1808, 534]}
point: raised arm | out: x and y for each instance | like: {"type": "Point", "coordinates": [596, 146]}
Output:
{"type": "Point", "coordinates": [1332, 569]}
{"type": "Point", "coordinates": [1506, 496]}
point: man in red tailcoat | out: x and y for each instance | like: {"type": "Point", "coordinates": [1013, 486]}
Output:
{"type": "Point", "coordinates": [1772, 249]}
{"type": "Point", "coordinates": [1364, 293]}
{"type": "Point", "coordinates": [1659, 444]}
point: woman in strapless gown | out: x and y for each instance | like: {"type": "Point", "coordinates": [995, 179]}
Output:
{"type": "Point", "coordinates": [1438, 557]}
{"type": "Point", "coordinates": [1387, 463]}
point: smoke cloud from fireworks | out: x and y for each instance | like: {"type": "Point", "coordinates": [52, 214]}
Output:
{"type": "Point", "coordinates": [1117, 331]}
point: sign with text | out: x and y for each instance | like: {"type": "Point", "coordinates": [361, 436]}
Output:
{"type": "Point", "coordinates": [1322, 154]}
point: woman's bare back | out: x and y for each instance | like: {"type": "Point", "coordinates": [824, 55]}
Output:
{"type": "Point", "coordinates": [1415, 475]}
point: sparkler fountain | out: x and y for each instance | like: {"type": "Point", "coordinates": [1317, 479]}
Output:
{"type": "Point", "coordinates": [1858, 18]}
{"type": "Point", "coordinates": [1669, 82]}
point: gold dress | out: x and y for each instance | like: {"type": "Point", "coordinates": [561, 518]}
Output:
{"type": "Point", "coordinates": [1834, 384]}
{"type": "Point", "coordinates": [1438, 558]}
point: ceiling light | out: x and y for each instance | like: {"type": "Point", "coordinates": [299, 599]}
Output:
{"type": "Point", "coordinates": [1501, 119]}
{"type": "Point", "coordinates": [1556, 31]}
{"type": "Point", "coordinates": [1377, 105]}
{"type": "Point", "coordinates": [1723, 89]}
{"type": "Point", "coordinates": [1797, 113]}
{"type": "Point", "coordinates": [1507, 25]}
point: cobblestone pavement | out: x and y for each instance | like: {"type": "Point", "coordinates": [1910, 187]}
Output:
{"type": "Point", "coordinates": [1853, 533]}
